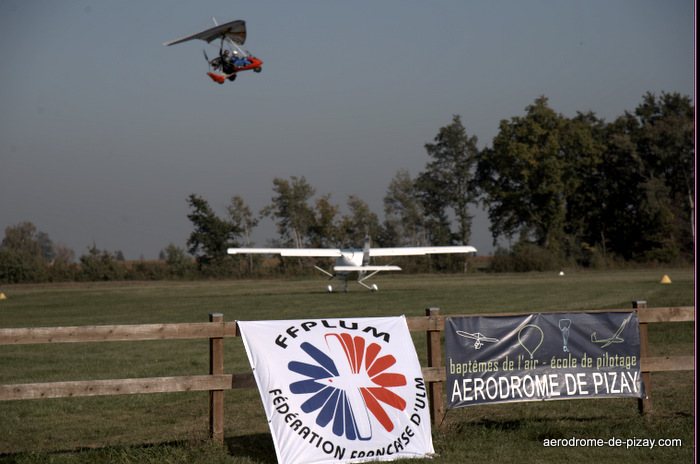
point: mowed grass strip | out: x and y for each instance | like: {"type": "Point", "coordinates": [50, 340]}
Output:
{"type": "Point", "coordinates": [173, 427]}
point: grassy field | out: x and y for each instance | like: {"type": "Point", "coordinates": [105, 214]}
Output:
{"type": "Point", "coordinates": [173, 427]}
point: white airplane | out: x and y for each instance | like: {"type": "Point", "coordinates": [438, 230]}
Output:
{"type": "Point", "coordinates": [353, 263]}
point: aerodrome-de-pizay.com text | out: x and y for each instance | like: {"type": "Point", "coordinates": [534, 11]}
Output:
{"type": "Point", "coordinates": [614, 442]}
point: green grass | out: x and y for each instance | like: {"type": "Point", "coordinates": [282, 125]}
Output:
{"type": "Point", "coordinates": [173, 427]}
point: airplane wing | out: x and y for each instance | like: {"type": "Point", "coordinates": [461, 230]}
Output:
{"type": "Point", "coordinates": [337, 252]}
{"type": "Point", "coordinates": [417, 251]}
{"type": "Point", "coordinates": [365, 268]}
{"type": "Point", "coordinates": [233, 32]}
{"type": "Point", "coordinates": [296, 252]}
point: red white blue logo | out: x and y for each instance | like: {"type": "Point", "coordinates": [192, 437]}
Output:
{"type": "Point", "coordinates": [348, 383]}
{"type": "Point", "coordinates": [340, 390]}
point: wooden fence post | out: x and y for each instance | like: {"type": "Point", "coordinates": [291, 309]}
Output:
{"type": "Point", "coordinates": [644, 404]}
{"type": "Point", "coordinates": [216, 397]}
{"type": "Point", "coordinates": [437, 409]}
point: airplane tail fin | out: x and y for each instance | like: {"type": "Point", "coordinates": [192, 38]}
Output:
{"type": "Point", "coordinates": [365, 253]}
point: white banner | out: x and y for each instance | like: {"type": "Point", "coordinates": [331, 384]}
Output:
{"type": "Point", "coordinates": [340, 390]}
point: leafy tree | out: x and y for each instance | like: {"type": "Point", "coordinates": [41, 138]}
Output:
{"type": "Point", "coordinates": [64, 254]}
{"type": "Point", "coordinates": [290, 208]}
{"type": "Point", "coordinates": [212, 235]}
{"type": "Point", "coordinates": [583, 147]}
{"type": "Point", "coordinates": [64, 267]}
{"type": "Point", "coordinates": [647, 181]}
{"type": "Point", "coordinates": [666, 145]}
{"type": "Point", "coordinates": [177, 260]}
{"type": "Point", "coordinates": [447, 182]}
{"type": "Point", "coordinates": [584, 141]}
{"type": "Point", "coordinates": [404, 216]}
{"type": "Point", "coordinates": [524, 177]}
{"type": "Point", "coordinates": [23, 253]}
{"type": "Point", "coordinates": [242, 217]}
{"type": "Point", "coordinates": [325, 231]}
{"type": "Point", "coordinates": [48, 251]}
{"type": "Point", "coordinates": [585, 189]}
{"type": "Point", "coordinates": [24, 238]}
{"type": "Point", "coordinates": [173, 254]}
{"type": "Point", "coordinates": [359, 223]}
{"type": "Point", "coordinates": [615, 222]}
{"type": "Point", "coordinates": [99, 265]}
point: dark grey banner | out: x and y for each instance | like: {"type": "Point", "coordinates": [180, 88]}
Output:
{"type": "Point", "coordinates": [552, 356]}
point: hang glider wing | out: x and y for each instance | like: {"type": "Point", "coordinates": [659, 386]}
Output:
{"type": "Point", "coordinates": [232, 32]}
{"type": "Point", "coordinates": [418, 251]}
{"type": "Point", "coordinates": [476, 336]}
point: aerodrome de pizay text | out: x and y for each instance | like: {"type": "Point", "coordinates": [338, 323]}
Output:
{"type": "Point", "coordinates": [542, 357]}
{"type": "Point", "coordinates": [537, 387]}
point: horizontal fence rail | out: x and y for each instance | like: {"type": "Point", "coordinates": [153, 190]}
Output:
{"type": "Point", "coordinates": [115, 387]}
{"type": "Point", "coordinates": [433, 324]}
{"type": "Point", "coordinates": [182, 331]}
{"type": "Point", "coordinates": [118, 333]}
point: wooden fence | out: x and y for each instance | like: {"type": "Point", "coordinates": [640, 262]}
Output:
{"type": "Point", "coordinates": [216, 381]}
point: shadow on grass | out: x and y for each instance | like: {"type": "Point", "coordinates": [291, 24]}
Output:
{"type": "Point", "coordinates": [519, 425]}
{"type": "Point", "coordinates": [257, 447]}
{"type": "Point", "coordinates": [114, 453]}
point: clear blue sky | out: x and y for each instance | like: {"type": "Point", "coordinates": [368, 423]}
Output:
{"type": "Point", "coordinates": [104, 132]}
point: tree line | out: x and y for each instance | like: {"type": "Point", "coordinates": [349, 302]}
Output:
{"type": "Point", "coordinates": [561, 191]}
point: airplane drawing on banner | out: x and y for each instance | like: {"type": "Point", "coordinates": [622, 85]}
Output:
{"type": "Point", "coordinates": [354, 263]}
{"type": "Point", "coordinates": [478, 338]}
{"type": "Point", "coordinates": [614, 339]}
